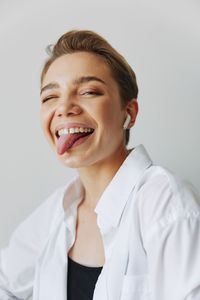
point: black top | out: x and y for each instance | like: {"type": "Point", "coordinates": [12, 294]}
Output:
{"type": "Point", "coordinates": [81, 280]}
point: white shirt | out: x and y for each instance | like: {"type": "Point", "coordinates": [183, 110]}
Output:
{"type": "Point", "coordinates": [149, 220]}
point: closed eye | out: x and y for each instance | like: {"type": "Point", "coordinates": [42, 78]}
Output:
{"type": "Point", "coordinates": [82, 94]}
{"type": "Point", "coordinates": [47, 98]}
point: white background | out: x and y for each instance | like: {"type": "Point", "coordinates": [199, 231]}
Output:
{"type": "Point", "coordinates": [160, 40]}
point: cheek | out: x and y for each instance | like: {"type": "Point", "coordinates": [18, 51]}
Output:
{"type": "Point", "coordinates": [104, 112]}
{"type": "Point", "coordinates": [110, 116]}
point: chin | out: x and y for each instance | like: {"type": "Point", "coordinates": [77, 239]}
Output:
{"type": "Point", "coordinates": [74, 162]}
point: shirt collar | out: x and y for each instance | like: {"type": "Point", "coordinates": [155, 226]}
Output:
{"type": "Point", "coordinates": [113, 200]}
{"type": "Point", "coordinates": [73, 195]}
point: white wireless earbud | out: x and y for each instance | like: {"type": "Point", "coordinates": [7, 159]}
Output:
{"type": "Point", "coordinates": [127, 121]}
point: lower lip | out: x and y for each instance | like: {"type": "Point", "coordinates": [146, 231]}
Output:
{"type": "Point", "coordinates": [81, 141]}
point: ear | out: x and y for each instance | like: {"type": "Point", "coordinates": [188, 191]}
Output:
{"type": "Point", "coordinates": [132, 109]}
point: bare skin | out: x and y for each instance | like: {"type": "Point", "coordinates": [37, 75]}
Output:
{"type": "Point", "coordinates": [98, 105]}
{"type": "Point", "coordinates": [88, 246]}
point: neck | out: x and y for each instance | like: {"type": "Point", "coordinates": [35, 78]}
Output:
{"type": "Point", "coordinates": [95, 178]}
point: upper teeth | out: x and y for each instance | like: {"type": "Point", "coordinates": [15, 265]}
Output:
{"type": "Point", "coordinates": [74, 130]}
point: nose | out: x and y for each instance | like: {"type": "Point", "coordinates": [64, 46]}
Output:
{"type": "Point", "coordinates": [67, 108]}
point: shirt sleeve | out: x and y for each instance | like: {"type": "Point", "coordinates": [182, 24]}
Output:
{"type": "Point", "coordinates": [172, 244]}
{"type": "Point", "coordinates": [18, 259]}
{"type": "Point", "coordinates": [173, 255]}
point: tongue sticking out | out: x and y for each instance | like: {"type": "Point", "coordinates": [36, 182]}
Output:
{"type": "Point", "coordinates": [66, 141]}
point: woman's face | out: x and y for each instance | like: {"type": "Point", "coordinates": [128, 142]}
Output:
{"type": "Point", "coordinates": [78, 91]}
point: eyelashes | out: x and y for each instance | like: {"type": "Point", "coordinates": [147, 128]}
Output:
{"type": "Point", "coordinates": [46, 99]}
{"type": "Point", "coordinates": [91, 93]}
{"type": "Point", "coordinates": [86, 93]}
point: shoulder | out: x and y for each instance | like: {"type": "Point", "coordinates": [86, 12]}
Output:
{"type": "Point", "coordinates": [29, 239]}
{"type": "Point", "coordinates": [162, 197]}
{"type": "Point", "coordinates": [37, 226]}
{"type": "Point", "coordinates": [160, 183]}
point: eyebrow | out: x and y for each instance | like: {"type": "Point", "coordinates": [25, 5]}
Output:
{"type": "Point", "coordinates": [77, 81]}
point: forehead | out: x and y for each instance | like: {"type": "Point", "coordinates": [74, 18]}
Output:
{"type": "Point", "coordinates": [69, 66]}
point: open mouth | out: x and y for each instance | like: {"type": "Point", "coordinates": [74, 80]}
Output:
{"type": "Point", "coordinates": [70, 137]}
{"type": "Point", "coordinates": [74, 131]}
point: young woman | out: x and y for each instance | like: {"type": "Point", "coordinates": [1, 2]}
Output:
{"type": "Point", "coordinates": [123, 228]}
